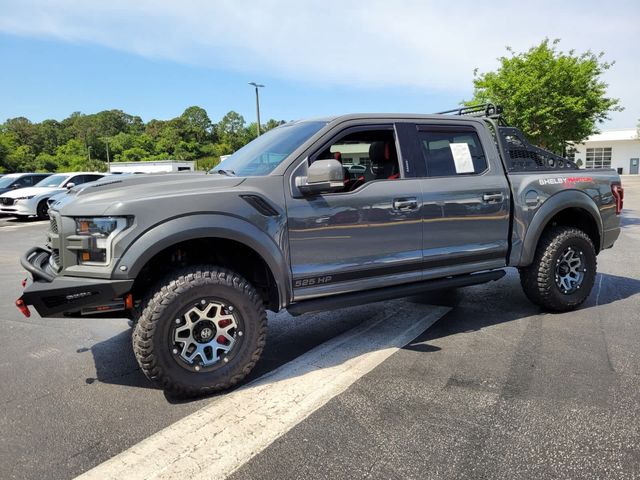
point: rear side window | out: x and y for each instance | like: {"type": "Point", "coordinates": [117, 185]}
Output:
{"type": "Point", "coordinates": [449, 152]}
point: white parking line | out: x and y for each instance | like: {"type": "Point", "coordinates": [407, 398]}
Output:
{"type": "Point", "coordinates": [216, 440]}
{"type": "Point", "coordinates": [7, 226]}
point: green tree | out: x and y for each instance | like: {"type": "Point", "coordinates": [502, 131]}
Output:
{"type": "Point", "coordinates": [554, 97]}
{"type": "Point", "coordinates": [231, 130]}
{"type": "Point", "coordinates": [197, 124]}
{"type": "Point", "coordinates": [63, 145]}
{"type": "Point", "coordinates": [51, 136]}
{"type": "Point", "coordinates": [134, 154]}
{"type": "Point", "coordinates": [8, 144]}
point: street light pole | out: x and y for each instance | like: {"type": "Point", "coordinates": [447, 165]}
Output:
{"type": "Point", "coordinates": [106, 140]}
{"type": "Point", "coordinates": [257, 86]}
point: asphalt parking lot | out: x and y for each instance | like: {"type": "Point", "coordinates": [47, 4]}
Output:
{"type": "Point", "coordinates": [494, 388]}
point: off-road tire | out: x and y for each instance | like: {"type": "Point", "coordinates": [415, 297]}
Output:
{"type": "Point", "coordinates": [150, 336]}
{"type": "Point", "coordinates": [42, 210]}
{"type": "Point", "coordinates": [538, 279]}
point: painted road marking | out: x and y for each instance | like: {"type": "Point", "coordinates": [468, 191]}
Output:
{"type": "Point", "coordinates": [5, 226]}
{"type": "Point", "coordinates": [218, 439]}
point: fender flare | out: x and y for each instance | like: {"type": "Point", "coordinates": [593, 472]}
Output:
{"type": "Point", "coordinates": [552, 206]}
{"type": "Point", "coordinates": [195, 226]}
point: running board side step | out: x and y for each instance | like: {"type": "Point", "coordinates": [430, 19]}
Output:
{"type": "Point", "coordinates": [369, 296]}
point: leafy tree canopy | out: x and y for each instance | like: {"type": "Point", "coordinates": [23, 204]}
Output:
{"type": "Point", "coordinates": [554, 97]}
{"type": "Point", "coordinates": [80, 142]}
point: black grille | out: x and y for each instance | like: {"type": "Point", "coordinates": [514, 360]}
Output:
{"type": "Point", "coordinates": [6, 201]}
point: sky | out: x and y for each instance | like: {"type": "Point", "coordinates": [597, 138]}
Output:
{"type": "Point", "coordinates": [154, 58]}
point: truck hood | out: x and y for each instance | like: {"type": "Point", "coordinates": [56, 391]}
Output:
{"type": "Point", "coordinates": [32, 191]}
{"type": "Point", "coordinates": [96, 198]}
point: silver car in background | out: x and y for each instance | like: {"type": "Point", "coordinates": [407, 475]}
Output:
{"type": "Point", "coordinates": [26, 202]}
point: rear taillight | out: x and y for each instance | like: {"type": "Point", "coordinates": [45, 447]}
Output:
{"type": "Point", "coordinates": [618, 194]}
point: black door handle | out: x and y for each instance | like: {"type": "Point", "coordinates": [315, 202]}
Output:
{"type": "Point", "coordinates": [493, 197]}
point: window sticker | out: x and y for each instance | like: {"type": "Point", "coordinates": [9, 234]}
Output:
{"type": "Point", "coordinates": [462, 157]}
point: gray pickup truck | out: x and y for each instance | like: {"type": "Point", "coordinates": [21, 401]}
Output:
{"type": "Point", "coordinates": [315, 215]}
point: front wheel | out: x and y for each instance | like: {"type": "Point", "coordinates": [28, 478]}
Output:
{"type": "Point", "coordinates": [201, 331]}
{"type": "Point", "coordinates": [563, 271]}
{"type": "Point", "coordinates": [42, 211]}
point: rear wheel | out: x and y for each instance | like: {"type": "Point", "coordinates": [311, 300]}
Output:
{"type": "Point", "coordinates": [563, 271]}
{"type": "Point", "coordinates": [201, 331]}
{"type": "Point", "coordinates": [42, 211]}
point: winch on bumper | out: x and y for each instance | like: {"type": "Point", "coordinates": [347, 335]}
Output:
{"type": "Point", "coordinates": [57, 295]}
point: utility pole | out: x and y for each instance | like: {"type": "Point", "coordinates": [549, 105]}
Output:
{"type": "Point", "coordinates": [106, 141]}
{"type": "Point", "coordinates": [257, 86]}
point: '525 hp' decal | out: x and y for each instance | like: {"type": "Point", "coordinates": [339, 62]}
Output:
{"type": "Point", "coordinates": [309, 282]}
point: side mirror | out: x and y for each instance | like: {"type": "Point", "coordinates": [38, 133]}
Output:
{"type": "Point", "coordinates": [70, 185]}
{"type": "Point", "coordinates": [322, 176]}
{"type": "Point", "coordinates": [15, 185]}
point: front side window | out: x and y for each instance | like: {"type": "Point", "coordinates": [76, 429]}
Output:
{"type": "Point", "coordinates": [92, 178]}
{"type": "Point", "coordinates": [262, 155]}
{"type": "Point", "coordinates": [23, 182]}
{"type": "Point", "coordinates": [365, 155]}
{"type": "Point", "coordinates": [449, 152]}
{"type": "Point", "coordinates": [78, 179]}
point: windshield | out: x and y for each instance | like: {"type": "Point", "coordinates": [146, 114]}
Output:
{"type": "Point", "coordinates": [7, 181]}
{"type": "Point", "coordinates": [52, 181]}
{"type": "Point", "coordinates": [266, 152]}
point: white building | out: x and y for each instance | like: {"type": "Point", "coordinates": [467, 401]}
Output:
{"type": "Point", "coordinates": [159, 166]}
{"type": "Point", "coordinates": [618, 149]}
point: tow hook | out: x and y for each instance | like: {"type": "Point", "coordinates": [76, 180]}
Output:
{"type": "Point", "coordinates": [23, 307]}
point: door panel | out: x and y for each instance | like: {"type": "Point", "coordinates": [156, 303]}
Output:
{"type": "Point", "coordinates": [351, 241]}
{"type": "Point", "coordinates": [465, 201]}
{"type": "Point", "coordinates": [462, 229]}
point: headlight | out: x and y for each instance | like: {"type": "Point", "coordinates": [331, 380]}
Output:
{"type": "Point", "coordinates": [101, 231]}
{"type": "Point", "coordinates": [24, 198]}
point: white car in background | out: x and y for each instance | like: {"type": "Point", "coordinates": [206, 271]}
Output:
{"type": "Point", "coordinates": [33, 200]}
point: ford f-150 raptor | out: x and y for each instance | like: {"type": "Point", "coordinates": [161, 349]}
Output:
{"type": "Point", "coordinates": [313, 215]}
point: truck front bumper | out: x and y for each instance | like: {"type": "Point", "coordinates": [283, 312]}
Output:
{"type": "Point", "coordinates": [57, 295]}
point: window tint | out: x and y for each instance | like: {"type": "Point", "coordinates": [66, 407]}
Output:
{"type": "Point", "coordinates": [92, 178]}
{"type": "Point", "coordinates": [24, 181]}
{"type": "Point", "coordinates": [78, 179]}
{"type": "Point", "coordinates": [365, 156]}
{"type": "Point", "coordinates": [452, 152]}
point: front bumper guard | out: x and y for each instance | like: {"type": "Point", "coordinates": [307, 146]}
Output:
{"type": "Point", "coordinates": [58, 296]}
